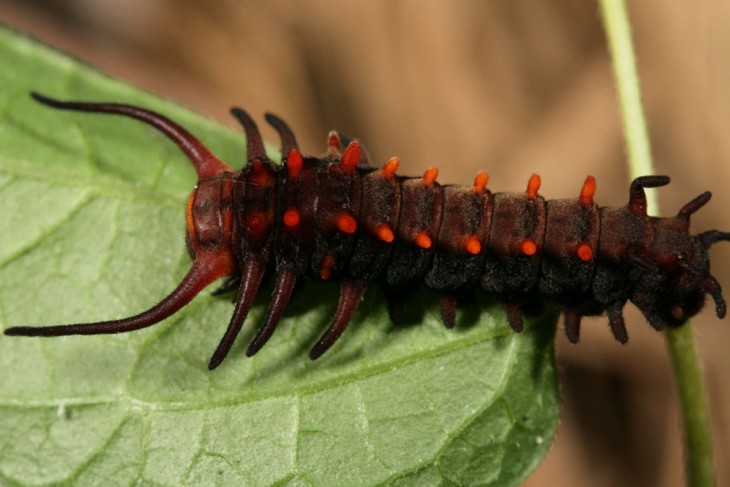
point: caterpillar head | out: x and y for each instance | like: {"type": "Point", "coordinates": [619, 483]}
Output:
{"type": "Point", "coordinates": [209, 217]}
{"type": "Point", "coordinates": [674, 288]}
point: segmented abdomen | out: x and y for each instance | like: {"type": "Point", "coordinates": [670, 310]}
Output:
{"type": "Point", "coordinates": [338, 218]}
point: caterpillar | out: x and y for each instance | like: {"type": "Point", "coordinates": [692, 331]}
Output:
{"type": "Point", "coordinates": [338, 218]}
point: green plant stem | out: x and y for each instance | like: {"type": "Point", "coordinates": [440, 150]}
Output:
{"type": "Point", "coordinates": [618, 31]}
{"type": "Point", "coordinates": [693, 400]}
{"type": "Point", "coordinates": [685, 361]}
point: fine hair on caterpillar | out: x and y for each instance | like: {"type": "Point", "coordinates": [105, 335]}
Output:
{"type": "Point", "coordinates": [338, 218]}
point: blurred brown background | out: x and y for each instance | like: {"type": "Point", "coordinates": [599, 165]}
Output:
{"type": "Point", "coordinates": [513, 87]}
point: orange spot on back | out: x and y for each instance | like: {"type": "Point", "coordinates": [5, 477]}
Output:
{"type": "Point", "coordinates": [385, 233]}
{"type": "Point", "coordinates": [423, 240]}
{"type": "Point", "coordinates": [291, 218]}
{"type": "Point", "coordinates": [259, 174]}
{"type": "Point", "coordinates": [472, 245]}
{"type": "Point", "coordinates": [529, 247]}
{"type": "Point", "coordinates": [585, 252]}
{"type": "Point", "coordinates": [480, 182]}
{"type": "Point", "coordinates": [588, 190]}
{"type": "Point", "coordinates": [390, 167]}
{"type": "Point", "coordinates": [533, 185]}
{"type": "Point", "coordinates": [350, 157]}
{"type": "Point", "coordinates": [346, 223]}
{"type": "Point", "coordinates": [430, 175]}
{"type": "Point", "coordinates": [294, 163]}
{"type": "Point", "coordinates": [255, 222]}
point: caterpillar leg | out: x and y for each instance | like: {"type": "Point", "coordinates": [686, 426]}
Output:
{"type": "Point", "coordinates": [616, 322]}
{"type": "Point", "coordinates": [447, 303]}
{"type": "Point", "coordinates": [514, 315]}
{"type": "Point", "coordinates": [395, 299]}
{"type": "Point", "coordinates": [572, 324]}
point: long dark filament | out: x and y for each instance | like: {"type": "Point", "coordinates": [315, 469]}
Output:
{"type": "Point", "coordinates": [694, 206]}
{"type": "Point", "coordinates": [288, 141]}
{"type": "Point", "coordinates": [203, 272]}
{"type": "Point", "coordinates": [251, 275]}
{"type": "Point", "coordinates": [637, 196]}
{"type": "Point", "coordinates": [712, 287]}
{"type": "Point", "coordinates": [711, 237]}
{"type": "Point", "coordinates": [350, 295]}
{"type": "Point", "coordinates": [285, 281]}
{"type": "Point", "coordinates": [254, 144]}
{"type": "Point", "coordinates": [206, 164]}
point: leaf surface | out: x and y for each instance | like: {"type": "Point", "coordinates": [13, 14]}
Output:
{"type": "Point", "coordinates": [91, 228]}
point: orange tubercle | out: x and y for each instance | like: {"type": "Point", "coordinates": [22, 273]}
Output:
{"type": "Point", "coordinates": [423, 240]}
{"type": "Point", "coordinates": [473, 246]}
{"type": "Point", "coordinates": [430, 175]}
{"type": "Point", "coordinates": [390, 167]}
{"type": "Point", "coordinates": [333, 145]}
{"type": "Point", "coordinates": [294, 163]}
{"type": "Point", "coordinates": [346, 223]}
{"type": "Point", "coordinates": [385, 233]}
{"type": "Point", "coordinates": [291, 218]}
{"type": "Point", "coordinates": [529, 247]}
{"type": "Point", "coordinates": [588, 190]}
{"type": "Point", "coordinates": [533, 185]}
{"type": "Point", "coordinates": [350, 157]}
{"type": "Point", "coordinates": [585, 253]}
{"type": "Point", "coordinates": [480, 182]}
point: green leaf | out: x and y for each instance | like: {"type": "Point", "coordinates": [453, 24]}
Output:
{"type": "Point", "coordinates": [91, 228]}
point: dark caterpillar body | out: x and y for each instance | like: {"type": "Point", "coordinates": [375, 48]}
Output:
{"type": "Point", "coordinates": [338, 218]}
